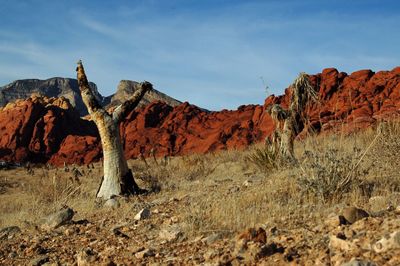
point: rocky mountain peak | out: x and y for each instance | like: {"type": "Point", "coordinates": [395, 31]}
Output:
{"type": "Point", "coordinates": [69, 89]}
{"type": "Point", "coordinates": [127, 87]}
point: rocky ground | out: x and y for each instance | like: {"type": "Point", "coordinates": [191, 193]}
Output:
{"type": "Point", "coordinates": [153, 232]}
{"type": "Point", "coordinates": [215, 209]}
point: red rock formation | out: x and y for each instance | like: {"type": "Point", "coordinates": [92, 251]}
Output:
{"type": "Point", "coordinates": [33, 129]}
{"type": "Point", "coordinates": [41, 130]}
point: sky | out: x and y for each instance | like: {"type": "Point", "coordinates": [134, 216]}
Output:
{"type": "Point", "coordinates": [213, 53]}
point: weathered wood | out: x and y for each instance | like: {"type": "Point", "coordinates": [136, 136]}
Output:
{"type": "Point", "coordinates": [88, 97]}
{"type": "Point", "coordinates": [122, 110]}
{"type": "Point", "coordinates": [118, 178]}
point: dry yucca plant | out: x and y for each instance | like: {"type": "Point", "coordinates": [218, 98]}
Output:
{"type": "Point", "coordinates": [281, 145]}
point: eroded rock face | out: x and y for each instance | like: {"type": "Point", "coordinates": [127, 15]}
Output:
{"type": "Point", "coordinates": [355, 101]}
{"type": "Point", "coordinates": [188, 129]}
{"type": "Point", "coordinates": [41, 130]}
{"type": "Point", "coordinates": [33, 129]}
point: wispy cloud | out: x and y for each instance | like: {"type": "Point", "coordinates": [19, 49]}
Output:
{"type": "Point", "coordinates": [206, 52]}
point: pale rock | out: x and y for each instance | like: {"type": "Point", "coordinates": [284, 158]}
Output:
{"type": "Point", "coordinates": [171, 233]}
{"type": "Point", "coordinates": [336, 243]}
{"type": "Point", "coordinates": [69, 231]}
{"type": "Point", "coordinates": [397, 209]}
{"type": "Point", "coordinates": [247, 183]}
{"type": "Point", "coordinates": [148, 252]}
{"type": "Point", "coordinates": [174, 219]}
{"type": "Point", "coordinates": [211, 238]}
{"type": "Point", "coordinates": [112, 203]}
{"type": "Point", "coordinates": [332, 221]}
{"type": "Point", "coordinates": [86, 257]}
{"type": "Point", "coordinates": [357, 262]}
{"type": "Point", "coordinates": [388, 243]}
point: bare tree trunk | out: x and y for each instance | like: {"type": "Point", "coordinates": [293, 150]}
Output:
{"type": "Point", "coordinates": [118, 178]}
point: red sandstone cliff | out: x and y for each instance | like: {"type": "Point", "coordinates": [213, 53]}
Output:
{"type": "Point", "coordinates": [42, 130]}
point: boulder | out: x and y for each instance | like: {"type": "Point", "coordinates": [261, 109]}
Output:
{"type": "Point", "coordinates": [58, 218]}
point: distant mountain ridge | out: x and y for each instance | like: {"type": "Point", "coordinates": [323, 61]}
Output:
{"type": "Point", "coordinates": [69, 89]}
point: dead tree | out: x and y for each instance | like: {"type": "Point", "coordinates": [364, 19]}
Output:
{"type": "Point", "coordinates": [302, 93]}
{"type": "Point", "coordinates": [118, 178]}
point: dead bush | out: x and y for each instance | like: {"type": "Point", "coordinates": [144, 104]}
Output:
{"type": "Point", "coordinates": [330, 174]}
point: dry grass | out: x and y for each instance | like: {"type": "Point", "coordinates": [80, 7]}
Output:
{"type": "Point", "coordinates": [226, 191]}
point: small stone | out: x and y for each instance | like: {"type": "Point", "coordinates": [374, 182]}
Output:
{"type": "Point", "coordinates": [247, 183]}
{"type": "Point", "coordinates": [69, 231]}
{"type": "Point", "coordinates": [12, 255]}
{"type": "Point", "coordinates": [39, 261]}
{"type": "Point", "coordinates": [233, 189]}
{"type": "Point", "coordinates": [86, 257]}
{"type": "Point", "coordinates": [211, 238]}
{"type": "Point", "coordinates": [137, 249]}
{"type": "Point", "coordinates": [332, 221]}
{"type": "Point", "coordinates": [143, 214]}
{"type": "Point", "coordinates": [112, 203]}
{"type": "Point", "coordinates": [255, 251]}
{"type": "Point", "coordinates": [397, 210]}
{"type": "Point", "coordinates": [210, 254]}
{"type": "Point", "coordinates": [173, 199]}
{"type": "Point", "coordinates": [337, 243]}
{"type": "Point", "coordinates": [9, 232]}
{"type": "Point", "coordinates": [388, 243]}
{"type": "Point", "coordinates": [356, 262]}
{"type": "Point", "coordinates": [118, 233]}
{"type": "Point", "coordinates": [148, 252]}
{"type": "Point", "coordinates": [353, 214]}
{"type": "Point", "coordinates": [58, 218]}
{"type": "Point", "coordinates": [171, 233]}
{"type": "Point", "coordinates": [256, 235]}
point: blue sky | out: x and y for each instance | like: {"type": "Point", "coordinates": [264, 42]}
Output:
{"type": "Point", "coordinates": [210, 53]}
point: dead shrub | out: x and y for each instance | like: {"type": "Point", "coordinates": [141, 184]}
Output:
{"type": "Point", "coordinates": [330, 174]}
